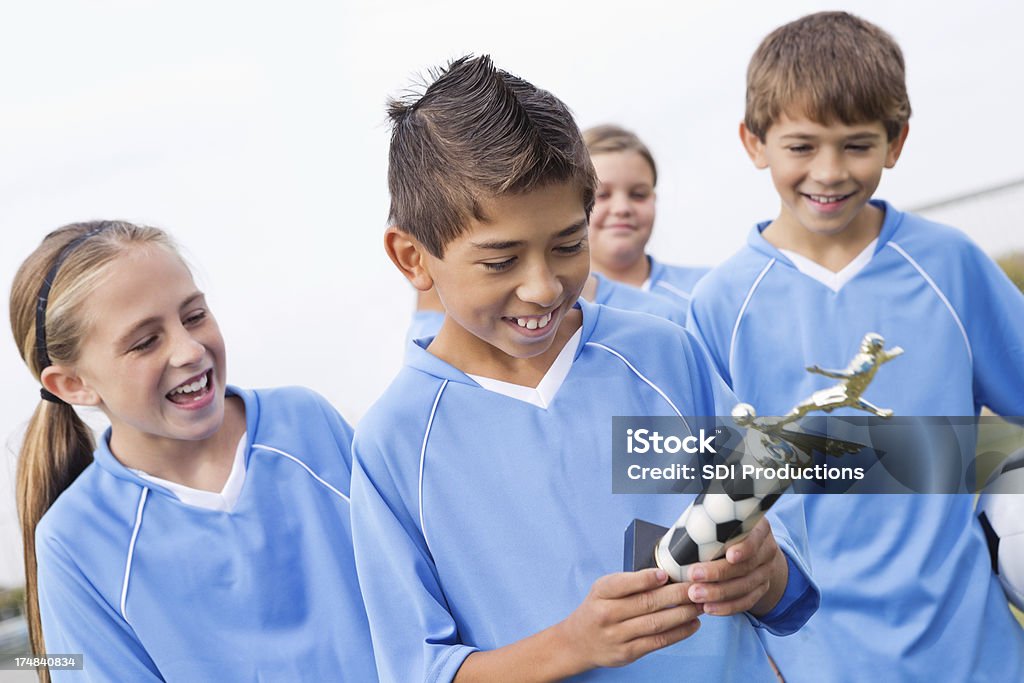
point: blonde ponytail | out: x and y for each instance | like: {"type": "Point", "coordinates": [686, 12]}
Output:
{"type": "Point", "coordinates": [57, 447]}
{"type": "Point", "coordinates": [61, 273]}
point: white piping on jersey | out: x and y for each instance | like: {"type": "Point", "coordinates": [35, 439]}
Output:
{"type": "Point", "coordinates": [743, 308]}
{"type": "Point", "coordinates": [935, 287]}
{"type": "Point", "coordinates": [305, 467]}
{"type": "Point", "coordinates": [674, 290]}
{"type": "Point", "coordinates": [641, 376]}
{"type": "Point", "coordinates": [423, 457]}
{"type": "Point", "coordinates": [131, 550]}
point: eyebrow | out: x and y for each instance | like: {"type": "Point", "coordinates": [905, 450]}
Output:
{"type": "Point", "coordinates": [126, 337]}
{"type": "Point", "coordinates": [856, 136]}
{"type": "Point", "coordinates": [511, 244]}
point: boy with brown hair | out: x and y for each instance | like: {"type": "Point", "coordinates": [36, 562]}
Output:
{"type": "Point", "coordinates": [487, 537]}
{"type": "Point", "coordinates": [907, 589]}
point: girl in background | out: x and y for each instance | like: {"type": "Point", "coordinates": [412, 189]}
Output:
{"type": "Point", "coordinates": [623, 216]}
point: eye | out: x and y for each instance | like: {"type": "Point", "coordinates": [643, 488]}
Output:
{"type": "Point", "coordinates": [574, 248]}
{"type": "Point", "coordinates": [858, 148]}
{"type": "Point", "coordinates": [499, 265]}
{"type": "Point", "coordinates": [602, 196]}
{"type": "Point", "coordinates": [799, 149]}
{"type": "Point", "coordinates": [143, 345]}
{"type": "Point", "coordinates": [195, 318]}
{"type": "Point", "coordinates": [640, 195]}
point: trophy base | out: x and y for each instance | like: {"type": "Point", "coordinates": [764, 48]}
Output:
{"type": "Point", "coordinates": [640, 541]}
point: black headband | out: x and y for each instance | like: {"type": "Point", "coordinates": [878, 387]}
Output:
{"type": "Point", "coordinates": [42, 357]}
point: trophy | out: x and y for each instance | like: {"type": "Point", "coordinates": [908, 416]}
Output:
{"type": "Point", "coordinates": [725, 512]}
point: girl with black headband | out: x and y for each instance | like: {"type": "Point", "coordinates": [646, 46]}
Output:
{"type": "Point", "coordinates": [206, 536]}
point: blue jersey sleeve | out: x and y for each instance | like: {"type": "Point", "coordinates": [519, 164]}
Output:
{"type": "Point", "coordinates": [415, 637]}
{"type": "Point", "coordinates": [77, 619]}
{"type": "Point", "coordinates": [717, 398]}
{"type": "Point", "coordinates": [802, 596]}
{"type": "Point", "coordinates": [992, 309]}
{"type": "Point", "coordinates": [708, 326]}
{"type": "Point", "coordinates": [799, 601]}
{"type": "Point", "coordinates": [340, 430]}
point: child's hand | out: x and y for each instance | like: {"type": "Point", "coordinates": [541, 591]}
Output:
{"type": "Point", "coordinates": [750, 578]}
{"type": "Point", "coordinates": [628, 615]}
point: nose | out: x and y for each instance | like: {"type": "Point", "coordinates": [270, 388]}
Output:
{"type": "Point", "coordinates": [829, 168]}
{"type": "Point", "coordinates": [186, 350]}
{"type": "Point", "coordinates": [620, 204]}
{"type": "Point", "coordinates": [540, 286]}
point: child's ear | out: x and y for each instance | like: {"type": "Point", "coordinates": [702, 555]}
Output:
{"type": "Point", "coordinates": [64, 382]}
{"type": "Point", "coordinates": [896, 146]}
{"type": "Point", "coordinates": [409, 256]}
{"type": "Point", "coordinates": [753, 145]}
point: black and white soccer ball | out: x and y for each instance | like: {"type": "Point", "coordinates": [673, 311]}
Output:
{"type": "Point", "coordinates": [1001, 513]}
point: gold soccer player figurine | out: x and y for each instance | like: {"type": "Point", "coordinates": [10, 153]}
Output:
{"type": "Point", "coordinates": [725, 512]}
{"type": "Point", "coordinates": [853, 381]}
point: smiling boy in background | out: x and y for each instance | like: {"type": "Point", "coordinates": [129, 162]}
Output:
{"type": "Point", "coordinates": [907, 589]}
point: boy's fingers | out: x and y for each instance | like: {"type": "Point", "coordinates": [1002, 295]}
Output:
{"type": "Point", "coordinates": [750, 546]}
{"type": "Point", "coordinates": [733, 589]}
{"type": "Point", "coordinates": [742, 603]}
{"type": "Point", "coordinates": [648, 602]}
{"type": "Point", "coordinates": [622, 584]}
{"type": "Point", "coordinates": [716, 570]}
{"type": "Point", "coordinates": [646, 644]}
{"type": "Point", "coordinates": [660, 621]}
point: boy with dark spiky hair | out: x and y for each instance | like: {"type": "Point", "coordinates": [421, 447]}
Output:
{"type": "Point", "coordinates": [487, 538]}
{"type": "Point", "coordinates": [907, 590]}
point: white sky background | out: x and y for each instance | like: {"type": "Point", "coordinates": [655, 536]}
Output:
{"type": "Point", "coordinates": [257, 136]}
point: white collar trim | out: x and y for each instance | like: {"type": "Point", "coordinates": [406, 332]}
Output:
{"type": "Point", "coordinates": [549, 384]}
{"type": "Point", "coordinates": [211, 500]}
{"type": "Point", "coordinates": [833, 281]}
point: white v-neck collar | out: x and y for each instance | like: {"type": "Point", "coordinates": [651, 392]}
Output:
{"type": "Point", "coordinates": [224, 501]}
{"type": "Point", "coordinates": [833, 281]}
{"type": "Point", "coordinates": [549, 383]}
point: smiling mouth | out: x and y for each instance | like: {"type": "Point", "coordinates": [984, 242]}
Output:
{"type": "Point", "coordinates": [828, 198]}
{"type": "Point", "coordinates": [533, 322]}
{"type": "Point", "coordinates": [192, 390]}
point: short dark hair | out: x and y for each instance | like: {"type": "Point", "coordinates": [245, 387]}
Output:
{"type": "Point", "coordinates": [828, 66]}
{"type": "Point", "coordinates": [477, 133]}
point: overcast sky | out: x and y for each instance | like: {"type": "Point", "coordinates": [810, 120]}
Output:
{"type": "Point", "coordinates": [255, 133]}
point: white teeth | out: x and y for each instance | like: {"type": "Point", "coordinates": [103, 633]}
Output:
{"type": "Point", "coordinates": [534, 323]}
{"type": "Point", "coordinates": [821, 199]}
{"type": "Point", "coordinates": [193, 387]}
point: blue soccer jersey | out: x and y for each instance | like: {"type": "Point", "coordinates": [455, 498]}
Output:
{"type": "Point", "coordinates": [907, 588]}
{"type": "Point", "coordinates": [424, 324]}
{"type": "Point", "coordinates": [480, 519]}
{"type": "Point", "coordinates": [675, 282]}
{"type": "Point", "coordinates": [626, 297]}
{"type": "Point", "coordinates": [149, 588]}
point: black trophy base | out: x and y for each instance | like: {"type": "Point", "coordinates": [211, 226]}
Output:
{"type": "Point", "coordinates": [641, 538]}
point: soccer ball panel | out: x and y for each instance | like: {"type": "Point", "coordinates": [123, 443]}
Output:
{"type": "Point", "coordinates": [745, 508]}
{"type": "Point", "coordinates": [1002, 504]}
{"type": "Point", "coordinates": [1011, 559]}
{"type": "Point", "coordinates": [700, 527]}
{"type": "Point", "coordinates": [720, 508]}
{"type": "Point", "coordinates": [710, 551]}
